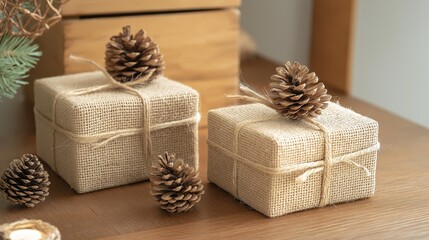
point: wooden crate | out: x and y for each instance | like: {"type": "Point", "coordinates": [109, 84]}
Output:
{"type": "Point", "coordinates": [199, 40]}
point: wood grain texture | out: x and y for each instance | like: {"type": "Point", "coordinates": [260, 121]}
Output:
{"type": "Point", "coordinates": [197, 45]}
{"type": "Point", "coordinates": [51, 62]}
{"type": "Point", "coordinates": [213, 94]}
{"type": "Point", "coordinates": [399, 210]}
{"type": "Point", "coordinates": [332, 42]}
{"type": "Point", "coordinates": [94, 7]}
{"type": "Point", "coordinates": [200, 48]}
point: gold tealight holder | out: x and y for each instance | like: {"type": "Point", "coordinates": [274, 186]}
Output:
{"type": "Point", "coordinates": [29, 230]}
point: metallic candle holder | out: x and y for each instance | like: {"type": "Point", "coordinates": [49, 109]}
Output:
{"type": "Point", "coordinates": [29, 230]}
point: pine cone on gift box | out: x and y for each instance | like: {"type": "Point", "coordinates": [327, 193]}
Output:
{"type": "Point", "coordinates": [175, 185]}
{"type": "Point", "coordinates": [25, 182]}
{"type": "Point", "coordinates": [296, 93]}
{"type": "Point", "coordinates": [129, 57]}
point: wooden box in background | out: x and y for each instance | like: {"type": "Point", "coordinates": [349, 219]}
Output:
{"type": "Point", "coordinates": [199, 40]}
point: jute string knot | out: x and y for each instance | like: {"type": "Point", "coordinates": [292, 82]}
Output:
{"type": "Point", "coordinates": [101, 139]}
{"type": "Point", "coordinates": [308, 169]}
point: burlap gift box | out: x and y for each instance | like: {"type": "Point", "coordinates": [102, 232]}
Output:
{"type": "Point", "coordinates": [276, 165]}
{"type": "Point", "coordinates": [120, 160]}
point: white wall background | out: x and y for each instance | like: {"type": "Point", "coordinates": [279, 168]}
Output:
{"type": "Point", "coordinates": [391, 48]}
{"type": "Point", "coordinates": [281, 28]}
{"type": "Point", "coordinates": [391, 57]}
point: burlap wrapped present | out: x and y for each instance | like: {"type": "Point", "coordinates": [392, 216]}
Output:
{"type": "Point", "coordinates": [278, 166]}
{"type": "Point", "coordinates": [95, 140]}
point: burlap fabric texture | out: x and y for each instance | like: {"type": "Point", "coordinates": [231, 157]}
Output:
{"type": "Point", "coordinates": [277, 166]}
{"type": "Point", "coordinates": [67, 143]}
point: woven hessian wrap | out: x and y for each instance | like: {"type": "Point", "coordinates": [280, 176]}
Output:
{"type": "Point", "coordinates": [95, 140]}
{"type": "Point", "coordinates": [278, 166]}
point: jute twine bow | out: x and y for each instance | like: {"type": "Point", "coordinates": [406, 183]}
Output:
{"type": "Point", "coordinates": [100, 140]}
{"type": "Point", "coordinates": [308, 169]}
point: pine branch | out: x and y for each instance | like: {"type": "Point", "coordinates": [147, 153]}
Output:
{"type": "Point", "coordinates": [11, 78]}
{"type": "Point", "coordinates": [17, 56]}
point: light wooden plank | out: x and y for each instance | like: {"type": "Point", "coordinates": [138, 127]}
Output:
{"type": "Point", "coordinates": [332, 42]}
{"type": "Point", "coordinates": [51, 62]}
{"type": "Point", "coordinates": [213, 94]}
{"type": "Point", "coordinates": [201, 51]}
{"type": "Point", "coordinates": [94, 7]}
{"type": "Point", "coordinates": [195, 45]}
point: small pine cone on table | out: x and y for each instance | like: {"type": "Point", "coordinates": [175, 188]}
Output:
{"type": "Point", "coordinates": [25, 182]}
{"type": "Point", "coordinates": [296, 93]}
{"type": "Point", "coordinates": [175, 185]}
{"type": "Point", "coordinates": [130, 57]}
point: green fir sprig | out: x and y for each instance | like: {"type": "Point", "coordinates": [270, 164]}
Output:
{"type": "Point", "coordinates": [17, 56]}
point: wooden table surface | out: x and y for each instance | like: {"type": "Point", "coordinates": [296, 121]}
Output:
{"type": "Point", "coordinates": [399, 210]}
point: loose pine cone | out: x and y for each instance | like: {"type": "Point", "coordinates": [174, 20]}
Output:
{"type": "Point", "coordinates": [25, 182]}
{"type": "Point", "coordinates": [296, 93]}
{"type": "Point", "coordinates": [130, 57]}
{"type": "Point", "coordinates": [175, 185]}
